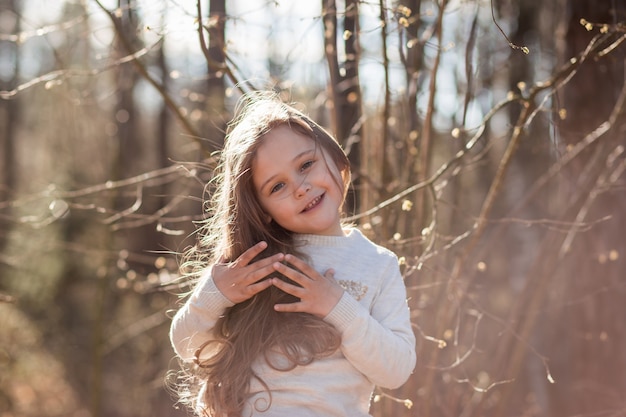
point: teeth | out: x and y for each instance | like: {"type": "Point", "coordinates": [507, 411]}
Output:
{"type": "Point", "coordinates": [313, 203]}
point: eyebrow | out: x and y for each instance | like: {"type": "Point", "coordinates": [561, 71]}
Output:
{"type": "Point", "coordinates": [295, 158]}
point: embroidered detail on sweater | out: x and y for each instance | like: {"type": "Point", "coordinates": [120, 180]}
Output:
{"type": "Point", "coordinates": [355, 289]}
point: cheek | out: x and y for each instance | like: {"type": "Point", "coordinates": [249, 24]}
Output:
{"type": "Point", "coordinates": [338, 178]}
{"type": "Point", "coordinates": [260, 204]}
{"type": "Point", "coordinates": [263, 206]}
{"type": "Point", "coordinates": [270, 209]}
{"type": "Point", "coordinates": [333, 171]}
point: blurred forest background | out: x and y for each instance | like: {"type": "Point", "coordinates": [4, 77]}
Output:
{"type": "Point", "coordinates": [487, 138]}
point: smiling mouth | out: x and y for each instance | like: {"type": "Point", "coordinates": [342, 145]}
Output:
{"type": "Point", "coordinates": [313, 203]}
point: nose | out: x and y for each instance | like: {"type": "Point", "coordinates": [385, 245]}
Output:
{"type": "Point", "coordinates": [303, 189]}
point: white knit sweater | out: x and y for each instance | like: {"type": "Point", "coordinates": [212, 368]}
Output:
{"type": "Point", "coordinates": [377, 348]}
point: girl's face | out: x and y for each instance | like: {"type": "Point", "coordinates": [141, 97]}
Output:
{"type": "Point", "coordinates": [297, 184]}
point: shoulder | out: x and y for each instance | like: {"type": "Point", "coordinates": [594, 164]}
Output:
{"type": "Point", "coordinates": [368, 248]}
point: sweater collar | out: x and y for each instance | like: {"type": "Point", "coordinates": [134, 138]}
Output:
{"type": "Point", "coordinates": [350, 234]}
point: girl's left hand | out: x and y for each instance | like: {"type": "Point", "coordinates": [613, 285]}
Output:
{"type": "Point", "coordinates": [318, 293]}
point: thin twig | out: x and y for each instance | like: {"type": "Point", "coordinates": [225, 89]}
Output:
{"type": "Point", "coordinates": [511, 44]}
{"type": "Point", "coordinates": [142, 70]}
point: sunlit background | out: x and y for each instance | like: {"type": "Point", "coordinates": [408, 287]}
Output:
{"type": "Point", "coordinates": [487, 144]}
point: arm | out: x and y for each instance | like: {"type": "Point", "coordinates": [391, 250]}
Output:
{"type": "Point", "coordinates": [221, 286]}
{"type": "Point", "coordinates": [380, 345]}
{"type": "Point", "coordinates": [193, 323]}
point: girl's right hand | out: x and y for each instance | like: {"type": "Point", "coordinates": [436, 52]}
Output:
{"type": "Point", "coordinates": [240, 280]}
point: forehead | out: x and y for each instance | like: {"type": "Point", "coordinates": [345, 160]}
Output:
{"type": "Point", "coordinates": [279, 149]}
{"type": "Point", "coordinates": [282, 143]}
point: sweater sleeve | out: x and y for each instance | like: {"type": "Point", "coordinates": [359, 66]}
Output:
{"type": "Point", "coordinates": [193, 324]}
{"type": "Point", "coordinates": [381, 345]}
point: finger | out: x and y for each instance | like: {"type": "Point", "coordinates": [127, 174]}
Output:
{"type": "Point", "coordinates": [330, 274]}
{"type": "Point", "coordinates": [238, 293]}
{"type": "Point", "coordinates": [291, 273]}
{"type": "Point", "coordinates": [246, 257]}
{"type": "Point", "coordinates": [261, 269]}
{"type": "Point", "coordinates": [304, 267]}
{"type": "Point", "coordinates": [294, 290]}
{"type": "Point", "coordinates": [289, 308]}
{"type": "Point", "coordinates": [258, 287]}
{"type": "Point", "coordinates": [266, 262]}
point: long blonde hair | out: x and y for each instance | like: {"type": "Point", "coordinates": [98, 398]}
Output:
{"type": "Point", "coordinates": [236, 221]}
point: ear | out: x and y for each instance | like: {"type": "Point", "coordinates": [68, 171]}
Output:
{"type": "Point", "coordinates": [267, 218]}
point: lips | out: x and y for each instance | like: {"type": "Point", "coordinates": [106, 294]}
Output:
{"type": "Point", "coordinates": [313, 203]}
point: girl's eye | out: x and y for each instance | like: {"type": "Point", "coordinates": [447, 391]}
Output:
{"type": "Point", "coordinates": [306, 165]}
{"type": "Point", "coordinates": [277, 187]}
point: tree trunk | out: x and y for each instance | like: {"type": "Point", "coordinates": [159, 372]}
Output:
{"type": "Point", "coordinates": [592, 374]}
{"type": "Point", "coordinates": [345, 90]}
{"type": "Point", "coordinates": [215, 87]}
{"type": "Point", "coordinates": [9, 110]}
{"type": "Point", "coordinates": [9, 120]}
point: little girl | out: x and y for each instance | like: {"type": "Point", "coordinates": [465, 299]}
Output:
{"type": "Point", "coordinates": [293, 314]}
